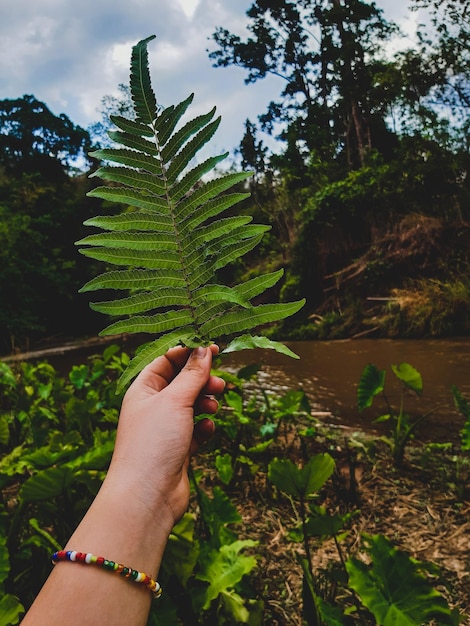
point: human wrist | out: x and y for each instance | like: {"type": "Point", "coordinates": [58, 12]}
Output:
{"type": "Point", "coordinates": [149, 505]}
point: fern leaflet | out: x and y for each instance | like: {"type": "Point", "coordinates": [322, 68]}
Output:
{"type": "Point", "coordinates": [170, 241]}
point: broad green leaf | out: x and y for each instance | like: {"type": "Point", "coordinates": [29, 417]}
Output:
{"type": "Point", "coordinates": [323, 524]}
{"type": "Point", "coordinates": [46, 484]}
{"type": "Point", "coordinates": [234, 400]}
{"type": "Point", "coordinates": [370, 384]}
{"type": "Point", "coordinates": [223, 463]}
{"type": "Point", "coordinates": [394, 587]}
{"type": "Point", "coordinates": [235, 606]}
{"type": "Point", "coordinates": [33, 522]}
{"type": "Point", "coordinates": [225, 568]}
{"type": "Point", "coordinates": [301, 482]}
{"type": "Point", "coordinates": [331, 615]}
{"type": "Point", "coordinates": [78, 375]}
{"type": "Point", "coordinates": [11, 610]}
{"type": "Point", "coordinates": [95, 459]}
{"type": "Point", "coordinates": [7, 377]}
{"type": "Point", "coordinates": [222, 508]}
{"type": "Point", "coordinates": [382, 418]}
{"type": "Point", "coordinates": [409, 376]}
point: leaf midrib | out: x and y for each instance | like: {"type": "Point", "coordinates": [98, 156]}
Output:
{"type": "Point", "coordinates": [178, 238]}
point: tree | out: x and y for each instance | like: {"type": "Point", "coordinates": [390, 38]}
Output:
{"type": "Point", "coordinates": [111, 105]}
{"type": "Point", "coordinates": [33, 139]}
{"type": "Point", "coordinates": [42, 208]}
{"type": "Point", "coordinates": [328, 53]}
{"type": "Point", "coordinates": [445, 48]}
{"type": "Point", "coordinates": [252, 151]}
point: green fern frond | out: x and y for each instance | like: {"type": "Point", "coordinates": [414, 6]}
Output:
{"type": "Point", "coordinates": [171, 240]}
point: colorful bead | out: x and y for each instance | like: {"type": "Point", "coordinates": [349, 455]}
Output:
{"type": "Point", "coordinates": [90, 559]}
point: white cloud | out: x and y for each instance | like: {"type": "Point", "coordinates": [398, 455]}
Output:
{"type": "Point", "coordinates": [189, 6]}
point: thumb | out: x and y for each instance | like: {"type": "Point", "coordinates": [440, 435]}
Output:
{"type": "Point", "coordinates": [188, 384]}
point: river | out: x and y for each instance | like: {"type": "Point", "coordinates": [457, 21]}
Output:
{"type": "Point", "coordinates": [328, 372]}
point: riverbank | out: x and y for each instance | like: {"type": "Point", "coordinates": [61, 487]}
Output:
{"type": "Point", "coordinates": [328, 372]}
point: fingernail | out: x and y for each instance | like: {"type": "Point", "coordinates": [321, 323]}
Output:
{"type": "Point", "coordinates": [199, 353]}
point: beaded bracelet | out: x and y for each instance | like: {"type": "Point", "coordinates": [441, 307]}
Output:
{"type": "Point", "coordinates": [90, 559]}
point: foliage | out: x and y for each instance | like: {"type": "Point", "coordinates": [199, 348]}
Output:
{"type": "Point", "coordinates": [33, 139]}
{"type": "Point", "coordinates": [42, 208]}
{"type": "Point", "coordinates": [432, 307]}
{"type": "Point", "coordinates": [302, 483]}
{"type": "Point", "coordinates": [395, 588]}
{"type": "Point", "coordinates": [366, 137]}
{"type": "Point", "coordinates": [56, 439]}
{"type": "Point", "coordinates": [444, 50]}
{"type": "Point", "coordinates": [171, 242]}
{"type": "Point", "coordinates": [203, 575]}
{"type": "Point", "coordinates": [248, 425]}
{"type": "Point", "coordinates": [371, 384]}
{"type": "Point", "coordinates": [57, 436]}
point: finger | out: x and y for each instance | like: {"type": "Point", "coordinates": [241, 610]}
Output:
{"type": "Point", "coordinates": [160, 372]}
{"type": "Point", "coordinates": [203, 432]}
{"type": "Point", "coordinates": [205, 404]}
{"type": "Point", "coordinates": [214, 386]}
{"type": "Point", "coordinates": [193, 377]}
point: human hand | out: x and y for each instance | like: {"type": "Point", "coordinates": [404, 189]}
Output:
{"type": "Point", "coordinates": [156, 434]}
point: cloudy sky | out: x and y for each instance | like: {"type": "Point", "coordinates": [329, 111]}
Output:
{"type": "Point", "coordinates": [71, 53]}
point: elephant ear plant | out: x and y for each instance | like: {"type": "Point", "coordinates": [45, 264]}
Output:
{"type": "Point", "coordinates": [171, 241]}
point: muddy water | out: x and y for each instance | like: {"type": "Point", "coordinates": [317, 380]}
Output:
{"type": "Point", "coordinates": [329, 371]}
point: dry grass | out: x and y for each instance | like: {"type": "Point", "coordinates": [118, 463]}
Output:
{"type": "Point", "coordinates": [413, 506]}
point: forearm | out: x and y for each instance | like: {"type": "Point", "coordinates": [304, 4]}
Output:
{"type": "Point", "coordinates": [120, 528]}
{"type": "Point", "coordinates": [146, 490]}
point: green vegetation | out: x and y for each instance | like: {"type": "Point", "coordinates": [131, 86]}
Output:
{"type": "Point", "coordinates": [56, 439]}
{"type": "Point", "coordinates": [372, 383]}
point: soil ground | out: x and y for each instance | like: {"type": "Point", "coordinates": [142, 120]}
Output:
{"type": "Point", "coordinates": [423, 506]}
